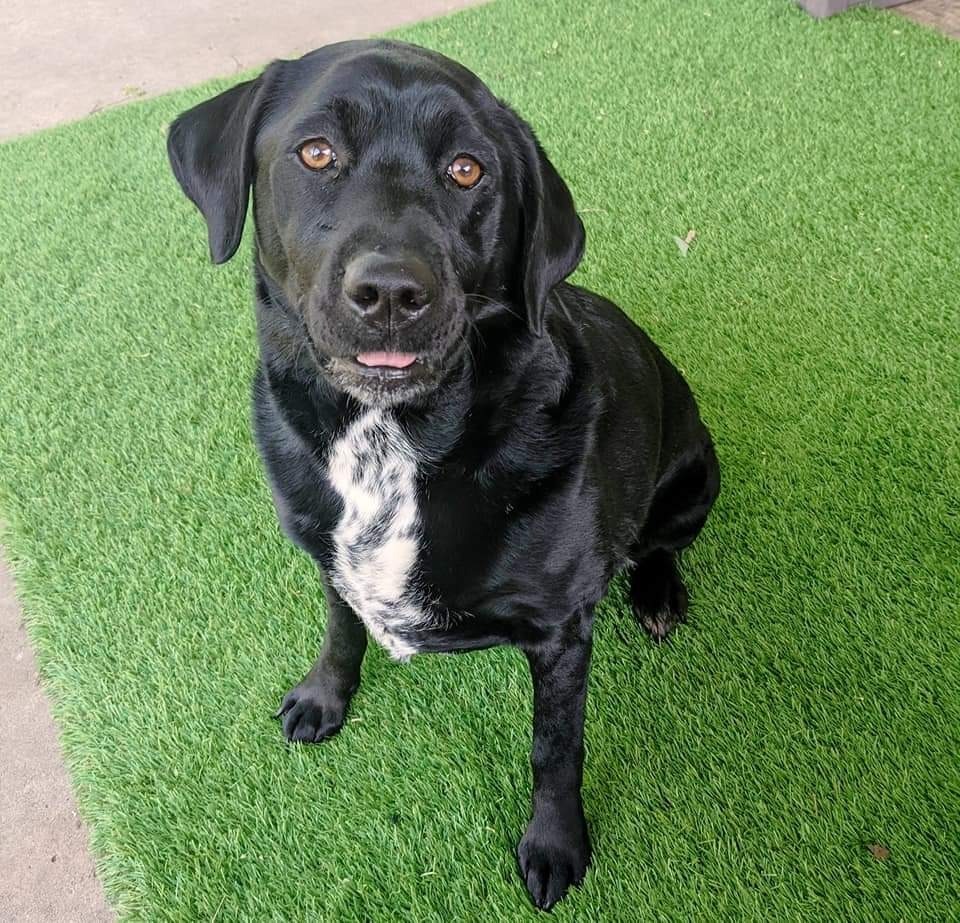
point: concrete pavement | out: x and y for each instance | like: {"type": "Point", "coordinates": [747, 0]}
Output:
{"type": "Point", "coordinates": [62, 61]}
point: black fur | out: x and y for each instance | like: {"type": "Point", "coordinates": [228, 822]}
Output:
{"type": "Point", "coordinates": [556, 444]}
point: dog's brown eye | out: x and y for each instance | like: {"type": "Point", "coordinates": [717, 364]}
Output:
{"type": "Point", "coordinates": [465, 172]}
{"type": "Point", "coordinates": [317, 154]}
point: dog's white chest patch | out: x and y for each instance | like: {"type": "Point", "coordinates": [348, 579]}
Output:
{"type": "Point", "coordinates": [373, 468]}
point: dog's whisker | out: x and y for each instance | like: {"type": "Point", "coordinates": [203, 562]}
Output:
{"type": "Point", "coordinates": [503, 306]}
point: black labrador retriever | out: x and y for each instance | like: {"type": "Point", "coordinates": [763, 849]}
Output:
{"type": "Point", "coordinates": [469, 447]}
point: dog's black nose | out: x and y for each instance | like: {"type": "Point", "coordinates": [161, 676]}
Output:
{"type": "Point", "coordinates": [385, 288]}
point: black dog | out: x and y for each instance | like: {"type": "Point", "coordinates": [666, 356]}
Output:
{"type": "Point", "coordinates": [469, 447]}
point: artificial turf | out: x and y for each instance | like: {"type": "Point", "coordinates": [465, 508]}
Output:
{"type": "Point", "coordinates": [812, 707]}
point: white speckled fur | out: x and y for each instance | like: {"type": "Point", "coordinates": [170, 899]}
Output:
{"type": "Point", "coordinates": [373, 468]}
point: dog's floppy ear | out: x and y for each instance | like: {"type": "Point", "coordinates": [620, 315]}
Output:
{"type": "Point", "coordinates": [211, 152]}
{"type": "Point", "coordinates": [552, 235]}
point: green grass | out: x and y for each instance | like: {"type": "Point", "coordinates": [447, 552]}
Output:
{"type": "Point", "coordinates": [810, 709]}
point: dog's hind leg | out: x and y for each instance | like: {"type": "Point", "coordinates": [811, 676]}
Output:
{"type": "Point", "coordinates": [680, 506]}
{"type": "Point", "coordinates": [657, 593]}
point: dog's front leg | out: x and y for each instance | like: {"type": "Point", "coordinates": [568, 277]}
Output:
{"type": "Point", "coordinates": [555, 849]}
{"type": "Point", "coordinates": [316, 707]}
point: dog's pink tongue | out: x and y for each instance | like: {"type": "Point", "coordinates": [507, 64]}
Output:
{"type": "Point", "coordinates": [390, 360]}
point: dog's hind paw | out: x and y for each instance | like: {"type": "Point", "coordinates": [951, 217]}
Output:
{"type": "Point", "coordinates": [658, 595]}
{"type": "Point", "coordinates": [660, 624]}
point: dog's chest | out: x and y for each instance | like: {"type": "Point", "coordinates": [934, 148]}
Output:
{"type": "Point", "coordinates": [373, 467]}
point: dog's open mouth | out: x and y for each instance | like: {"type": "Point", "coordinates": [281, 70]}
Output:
{"type": "Point", "coordinates": [388, 377]}
{"type": "Point", "coordinates": [382, 375]}
{"type": "Point", "coordinates": [384, 360]}
{"type": "Point", "coordinates": [385, 366]}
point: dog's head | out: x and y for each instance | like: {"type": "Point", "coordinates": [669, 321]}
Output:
{"type": "Point", "coordinates": [396, 201]}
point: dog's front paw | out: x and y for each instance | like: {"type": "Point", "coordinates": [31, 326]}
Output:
{"type": "Point", "coordinates": [553, 855]}
{"type": "Point", "coordinates": [311, 713]}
